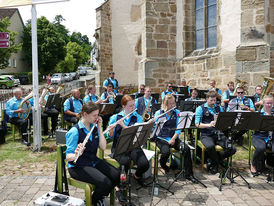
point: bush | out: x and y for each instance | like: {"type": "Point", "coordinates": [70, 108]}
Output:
{"type": "Point", "coordinates": [30, 77]}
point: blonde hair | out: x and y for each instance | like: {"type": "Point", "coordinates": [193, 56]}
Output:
{"type": "Point", "coordinates": [165, 101]}
{"type": "Point", "coordinates": [268, 97]}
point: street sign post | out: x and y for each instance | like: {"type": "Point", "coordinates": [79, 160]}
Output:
{"type": "Point", "coordinates": [4, 39]}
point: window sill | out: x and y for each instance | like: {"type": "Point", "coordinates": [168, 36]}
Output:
{"type": "Point", "coordinates": [203, 53]}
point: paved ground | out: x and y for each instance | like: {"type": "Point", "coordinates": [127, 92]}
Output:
{"type": "Point", "coordinates": [23, 190]}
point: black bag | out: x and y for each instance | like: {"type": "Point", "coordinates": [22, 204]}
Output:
{"type": "Point", "coordinates": [2, 136]}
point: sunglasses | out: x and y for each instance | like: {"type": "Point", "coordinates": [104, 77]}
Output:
{"type": "Point", "coordinates": [240, 92]}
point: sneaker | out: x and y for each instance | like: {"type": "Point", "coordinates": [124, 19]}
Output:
{"type": "Point", "coordinates": [141, 181]}
{"type": "Point", "coordinates": [120, 196]}
{"type": "Point", "coordinates": [24, 142]}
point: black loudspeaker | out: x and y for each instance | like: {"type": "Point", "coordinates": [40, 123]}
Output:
{"type": "Point", "coordinates": [2, 136]}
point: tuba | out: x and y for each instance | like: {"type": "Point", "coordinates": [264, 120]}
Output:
{"type": "Point", "coordinates": [241, 83]}
{"type": "Point", "coordinates": [268, 84]}
{"type": "Point", "coordinates": [25, 105]}
{"type": "Point", "coordinates": [145, 114]}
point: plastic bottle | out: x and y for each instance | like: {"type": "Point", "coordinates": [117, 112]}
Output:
{"type": "Point", "coordinates": [156, 190]}
{"type": "Point", "coordinates": [123, 176]}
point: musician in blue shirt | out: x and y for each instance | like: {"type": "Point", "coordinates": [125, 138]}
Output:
{"type": "Point", "coordinates": [168, 91]}
{"type": "Point", "coordinates": [141, 91]}
{"type": "Point", "coordinates": [72, 106]}
{"type": "Point", "coordinates": [108, 96]}
{"type": "Point", "coordinates": [142, 102]}
{"type": "Point", "coordinates": [183, 84]}
{"type": "Point", "coordinates": [116, 123]}
{"type": "Point", "coordinates": [88, 167]}
{"type": "Point", "coordinates": [168, 136]}
{"type": "Point", "coordinates": [257, 96]}
{"type": "Point", "coordinates": [111, 80]}
{"type": "Point", "coordinates": [229, 92]}
{"type": "Point", "coordinates": [212, 87]}
{"type": "Point", "coordinates": [262, 139]}
{"type": "Point", "coordinates": [205, 119]}
{"type": "Point", "coordinates": [91, 96]}
{"type": "Point", "coordinates": [13, 111]}
{"type": "Point", "coordinates": [194, 95]}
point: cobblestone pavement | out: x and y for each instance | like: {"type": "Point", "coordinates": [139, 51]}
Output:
{"type": "Point", "coordinates": [23, 190]}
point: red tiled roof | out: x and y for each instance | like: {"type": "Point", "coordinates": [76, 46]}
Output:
{"type": "Point", "coordinates": [8, 12]}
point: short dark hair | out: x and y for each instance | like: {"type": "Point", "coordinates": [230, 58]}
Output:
{"type": "Point", "coordinates": [195, 89]}
{"type": "Point", "coordinates": [211, 94]}
{"type": "Point", "coordinates": [111, 73]}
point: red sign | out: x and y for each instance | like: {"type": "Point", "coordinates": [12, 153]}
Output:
{"type": "Point", "coordinates": [4, 44]}
{"type": "Point", "coordinates": [4, 36]}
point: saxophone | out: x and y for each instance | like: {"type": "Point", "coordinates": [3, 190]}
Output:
{"type": "Point", "coordinates": [25, 106]}
{"type": "Point", "coordinates": [145, 114]}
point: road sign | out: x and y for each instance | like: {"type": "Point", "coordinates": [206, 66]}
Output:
{"type": "Point", "coordinates": [4, 43]}
{"type": "Point", "coordinates": [4, 36]}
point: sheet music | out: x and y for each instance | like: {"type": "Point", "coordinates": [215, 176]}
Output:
{"type": "Point", "coordinates": [148, 153]}
{"type": "Point", "coordinates": [185, 119]}
{"type": "Point", "coordinates": [137, 134]}
{"type": "Point", "coordinates": [159, 125]}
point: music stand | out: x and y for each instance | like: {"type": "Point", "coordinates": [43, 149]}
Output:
{"type": "Point", "coordinates": [155, 108]}
{"type": "Point", "coordinates": [53, 99]}
{"type": "Point", "coordinates": [139, 95]}
{"type": "Point", "coordinates": [180, 97]}
{"type": "Point", "coordinates": [230, 121]}
{"type": "Point", "coordinates": [190, 105]}
{"type": "Point", "coordinates": [184, 123]}
{"type": "Point", "coordinates": [202, 93]}
{"type": "Point", "coordinates": [154, 182]}
{"type": "Point", "coordinates": [106, 108]}
{"type": "Point", "coordinates": [183, 90]}
{"type": "Point", "coordinates": [156, 96]}
{"type": "Point", "coordinates": [132, 138]}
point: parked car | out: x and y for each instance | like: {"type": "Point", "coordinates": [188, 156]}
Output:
{"type": "Point", "coordinates": [57, 78]}
{"type": "Point", "coordinates": [75, 75]}
{"type": "Point", "coordinates": [68, 77]}
{"type": "Point", "coordinates": [82, 71]}
{"type": "Point", "coordinates": [6, 82]}
{"type": "Point", "coordinates": [16, 81]}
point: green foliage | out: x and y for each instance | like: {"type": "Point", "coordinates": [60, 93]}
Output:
{"type": "Point", "coordinates": [51, 46]}
{"type": "Point", "coordinates": [40, 76]}
{"type": "Point", "coordinates": [5, 53]}
{"type": "Point", "coordinates": [67, 65]}
{"type": "Point", "coordinates": [56, 48]}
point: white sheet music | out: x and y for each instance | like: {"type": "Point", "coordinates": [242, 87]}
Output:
{"type": "Point", "coordinates": [159, 125]}
{"type": "Point", "coordinates": [149, 154]}
{"type": "Point", "coordinates": [185, 119]}
{"type": "Point", "coordinates": [137, 134]}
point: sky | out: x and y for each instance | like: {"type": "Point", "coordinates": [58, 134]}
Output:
{"type": "Point", "coordinates": [80, 15]}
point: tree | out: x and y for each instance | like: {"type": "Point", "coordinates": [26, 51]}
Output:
{"type": "Point", "coordinates": [84, 42]}
{"type": "Point", "coordinates": [76, 51]}
{"type": "Point", "coordinates": [67, 65]}
{"type": "Point", "coordinates": [51, 46]}
{"type": "Point", "coordinates": [61, 29]}
{"type": "Point", "coordinates": [5, 53]}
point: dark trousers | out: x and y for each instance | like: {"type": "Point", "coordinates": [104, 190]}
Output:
{"type": "Point", "coordinates": [104, 176]}
{"type": "Point", "coordinates": [138, 157]}
{"type": "Point", "coordinates": [23, 126]}
{"type": "Point", "coordinates": [165, 153]}
{"type": "Point", "coordinates": [53, 113]}
{"type": "Point", "coordinates": [71, 119]}
{"type": "Point", "coordinates": [260, 147]}
{"type": "Point", "coordinates": [210, 141]}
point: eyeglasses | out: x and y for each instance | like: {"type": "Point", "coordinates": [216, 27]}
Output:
{"type": "Point", "coordinates": [240, 92]}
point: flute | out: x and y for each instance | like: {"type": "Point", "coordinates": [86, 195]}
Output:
{"type": "Point", "coordinates": [163, 113]}
{"type": "Point", "coordinates": [84, 143]}
{"type": "Point", "coordinates": [114, 125]}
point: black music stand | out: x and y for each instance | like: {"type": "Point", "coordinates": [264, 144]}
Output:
{"type": "Point", "coordinates": [54, 100]}
{"type": "Point", "coordinates": [155, 183]}
{"type": "Point", "coordinates": [202, 93]}
{"type": "Point", "coordinates": [183, 90]}
{"type": "Point", "coordinates": [190, 105]}
{"type": "Point", "coordinates": [231, 121]}
{"type": "Point", "coordinates": [139, 95]}
{"type": "Point", "coordinates": [155, 108]}
{"type": "Point", "coordinates": [132, 138]}
{"type": "Point", "coordinates": [180, 97]}
{"type": "Point", "coordinates": [156, 96]}
{"type": "Point", "coordinates": [184, 123]}
{"type": "Point", "coordinates": [105, 111]}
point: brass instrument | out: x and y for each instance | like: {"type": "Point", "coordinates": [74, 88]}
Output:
{"type": "Point", "coordinates": [60, 88]}
{"type": "Point", "coordinates": [241, 83]}
{"type": "Point", "coordinates": [25, 106]}
{"type": "Point", "coordinates": [268, 84]}
{"type": "Point", "coordinates": [145, 115]}
{"type": "Point", "coordinates": [42, 101]}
